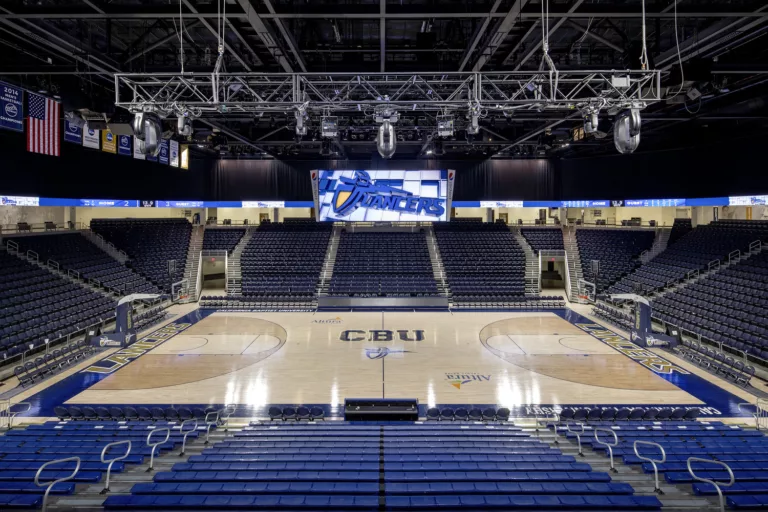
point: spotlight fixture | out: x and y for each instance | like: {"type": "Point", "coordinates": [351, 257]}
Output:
{"type": "Point", "coordinates": [591, 120]}
{"type": "Point", "coordinates": [184, 125]}
{"type": "Point", "coordinates": [329, 126]}
{"type": "Point", "coordinates": [386, 142]}
{"type": "Point", "coordinates": [148, 128]}
{"type": "Point", "coordinates": [623, 139]}
{"type": "Point", "coordinates": [445, 126]}
{"type": "Point", "coordinates": [474, 119]}
{"type": "Point", "coordinates": [301, 128]}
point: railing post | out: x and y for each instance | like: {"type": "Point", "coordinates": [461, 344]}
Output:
{"type": "Point", "coordinates": [715, 484]}
{"type": "Point", "coordinates": [578, 434]}
{"type": "Point", "coordinates": [155, 445]}
{"type": "Point", "coordinates": [50, 485]}
{"type": "Point", "coordinates": [607, 444]}
{"type": "Point", "coordinates": [652, 461]}
{"type": "Point", "coordinates": [112, 461]}
{"type": "Point", "coordinates": [225, 413]}
{"type": "Point", "coordinates": [210, 423]}
{"type": "Point", "coordinates": [13, 414]}
{"type": "Point", "coordinates": [184, 440]}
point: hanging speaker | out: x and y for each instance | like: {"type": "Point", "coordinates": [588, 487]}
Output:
{"type": "Point", "coordinates": [386, 141]}
{"type": "Point", "coordinates": [624, 142]}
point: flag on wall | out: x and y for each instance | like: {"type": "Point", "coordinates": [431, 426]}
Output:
{"type": "Point", "coordinates": [43, 125]}
{"type": "Point", "coordinates": [108, 141]}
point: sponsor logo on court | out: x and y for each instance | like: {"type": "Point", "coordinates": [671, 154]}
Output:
{"type": "Point", "coordinates": [336, 320]}
{"type": "Point", "coordinates": [362, 191]}
{"type": "Point", "coordinates": [123, 357]}
{"type": "Point", "coordinates": [381, 335]}
{"type": "Point", "coordinates": [463, 378]}
{"type": "Point", "coordinates": [645, 357]}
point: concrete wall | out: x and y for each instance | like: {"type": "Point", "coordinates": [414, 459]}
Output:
{"type": "Point", "coordinates": [463, 213]}
{"type": "Point", "coordinates": [238, 215]}
{"type": "Point", "coordinates": [10, 215]}
{"type": "Point", "coordinates": [293, 213]}
{"type": "Point", "coordinates": [84, 215]}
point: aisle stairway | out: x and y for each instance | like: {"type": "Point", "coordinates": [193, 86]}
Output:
{"type": "Point", "coordinates": [532, 270]}
{"type": "Point", "coordinates": [234, 268]}
{"type": "Point", "coordinates": [574, 261]}
{"type": "Point", "coordinates": [192, 264]}
{"type": "Point", "coordinates": [659, 245]}
{"type": "Point", "coordinates": [437, 264]}
{"type": "Point", "coordinates": [328, 263]}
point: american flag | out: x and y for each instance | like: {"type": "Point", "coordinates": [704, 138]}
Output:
{"type": "Point", "coordinates": [43, 127]}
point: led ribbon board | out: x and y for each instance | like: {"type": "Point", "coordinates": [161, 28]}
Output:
{"type": "Point", "coordinates": [370, 196]}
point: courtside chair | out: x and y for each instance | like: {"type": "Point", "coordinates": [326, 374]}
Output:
{"type": "Point", "coordinates": [433, 413]}
{"type": "Point", "coordinates": [185, 414]}
{"type": "Point", "coordinates": [609, 414]}
{"type": "Point", "coordinates": [144, 413]}
{"type": "Point", "coordinates": [317, 413]}
{"type": "Point", "coordinates": [594, 414]}
{"type": "Point", "coordinates": [75, 413]}
{"type": "Point", "coordinates": [664, 414]}
{"type": "Point", "coordinates": [103, 414]}
{"type": "Point", "coordinates": [622, 414]}
{"type": "Point", "coordinates": [566, 414]}
{"type": "Point", "coordinates": [475, 414]}
{"type": "Point", "coordinates": [636, 414]}
{"type": "Point", "coordinates": [157, 413]}
{"type": "Point", "coordinates": [116, 413]}
{"type": "Point", "coordinates": [447, 414]}
{"type": "Point", "coordinates": [677, 414]}
{"type": "Point", "coordinates": [650, 415]}
{"type": "Point", "coordinates": [171, 414]}
{"type": "Point", "coordinates": [198, 413]}
{"type": "Point", "coordinates": [691, 414]}
{"type": "Point", "coordinates": [580, 415]}
{"type": "Point", "coordinates": [130, 413]}
{"type": "Point", "coordinates": [489, 414]}
{"type": "Point", "coordinates": [461, 414]}
{"type": "Point", "coordinates": [289, 413]}
{"type": "Point", "coordinates": [502, 414]}
{"type": "Point", "coordinates": [302, 413]}
{"type": "Point", "coordinates": [61, 413]}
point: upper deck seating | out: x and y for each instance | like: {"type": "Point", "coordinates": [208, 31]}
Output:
{"type": "Point", "coordinates": [151, 244]}
{"type": "Point", "coordinates": [543, 238]}
{"type": "Point", "coordinates": [383, 264]}
{"type": "Point", "coordinates": [72, 251]}
{"type": "Point", "coordinates": [617, 250]}
{"type": "Point", "coordinates": [482, 261]}
{"type": "Point", "coordinates": [222, 239]}
{"type": "Point", "coordinates": [680, 228]}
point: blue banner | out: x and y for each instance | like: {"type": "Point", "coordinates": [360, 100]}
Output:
{"type": "Point", "coordinates": [163, 156]}
{"type": "Point", "coordinates": [11, 108]}
{"type": "Point", "coordinates": [642, 203]}
{"type": "Point", "coordinates": [73, 133]}
{"type": "Point", "coordinates": [124, 145]}
{"type": "Point", "coordinates": [180, 204]}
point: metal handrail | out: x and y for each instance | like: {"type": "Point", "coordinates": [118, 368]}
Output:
{"type": "Point", "coordinates": [734, 256]}
{"type": "Point", "coordinates": [184, 440]}
{"type": "Point", "coordinates": [12, 246]}
{"type": "Point", "coordinates": [155, 445]}
{"type": "Point", "coordinates": [50, 485]}
{"type": "Point", "coordinates": [210, 423]}
{"type": "Point", "coordinates": [715, 484]}
{"type": "Point", "coordinates": [608, 445]}
{"type": "Point", "coordinates": [13, 414]}
{"type": "Point", "coordinates": [53, 264]}
{"type": "Point", "coordinates": [112, 461]}
{"type": "Point", "coordinates": [227, 411]}
{"type": "Point", "coordinates": [578, 434]}
{"type": "Point", "coordinates": [714, 264]}
{"type": "Point", "coordinates": [70, 272]}
{"type": "Point", "coordinates": [756, 246]}
{"type": "Point", "coordinates": [652, 461]}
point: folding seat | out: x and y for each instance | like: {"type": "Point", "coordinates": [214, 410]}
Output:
{"type": "Point", "coordinates": [622, 414]}
{"type": "Point", "coordinates": [594, 414]}
{"type": "Point", "coordinates": [447, 414]}
{"type": "Point", "coordinates": [433, 413]}
{"type": "Point", "coordinates": [580, 414]}
{"type": "Point", "coordinates": [116, 413]}
{"type": "Point", "coordinates": [475, 414]}
{"type": "Point", "coordinates": [61, 413]}
{"type": "Point", "coordinates": [608, 414]}
{"type": "Point", "coordinates": [637, 414]}
{"type": "Point", "coordinates": [75, 413]}
{"type": "Point", "coordinates": [143, 413]}
{"type": "Point", "coordinates": [289, 413]}
{"type": "Point", "coordinates": [650, 414]}
{"type": "Point", "coordinates": [664, 414]}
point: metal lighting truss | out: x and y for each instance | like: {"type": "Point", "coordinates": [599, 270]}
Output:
{"type": "Point", "coordinates": [213, 94]}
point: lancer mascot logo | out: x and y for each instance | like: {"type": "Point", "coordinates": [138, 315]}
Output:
{"type": "Point", "coordinates": [352, 193]}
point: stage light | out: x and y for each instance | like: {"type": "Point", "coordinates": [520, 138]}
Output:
{"type": "Point", "coordinates": [301, 128]}
{"type": "Point", "coordinates": [634, 121]}
{"type": "Point", "coordinates": [445, 126]}
{"type": "Point", "coordinates": [184, 125]}
{"type": "Point", "coordinates": [386, 141]}
{"type": "Point", "coordinates": [138, 125]}
{"type": "Point", "coordinates": [591, 120]}
{"type": "Point", "coordinates": [329, 126]}
{"type": "Point", "coordinates": [624, 141]}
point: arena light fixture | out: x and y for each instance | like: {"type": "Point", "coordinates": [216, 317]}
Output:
{"type": "Point", "coordinates": [301, 127]}
{"type": "Point", "coordinates": [184, 125]}
{"type": "Point", "coordinates": [624, 141]}
{"type": "Point", "coordinates": [329, 126]}
{"type": "Point", "coordinates": [634, 121]}
{"type": "Point", "coordinates": [445, 126]}
{"type": "Point", "coordinates": [386, 141]}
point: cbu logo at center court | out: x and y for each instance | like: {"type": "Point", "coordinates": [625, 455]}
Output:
{"type": "Point", "coordinates": [352, 193]}
{"type": "Point", "coordinates": [381, 335]}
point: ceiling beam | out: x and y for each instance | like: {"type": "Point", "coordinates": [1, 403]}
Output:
{"type": "Point", "coordinates": [533, 134]}
{"type": "Point", "coordinates": [289, 40]}
{"type": "Point", "coordinates": [501, 34]}
{"type": "Point", "coordinates": [160, 42]}
{"type": "Point", "coordinates": [556, 26]}
{"type": "Point", "coordinates": [520, 42]}
{"type": "Point", "coordinates": [213, 31]}
{"type": "Point", "coordinates": [594, 36]}
{"type": "Point", "coordinates": [382, 35]}
{"type": "Point", "coordinates": [254, 19]}
{"type": "Point", "coordinates": [479, 35]}
{"type": "Point", "coordinates": [390, 16]}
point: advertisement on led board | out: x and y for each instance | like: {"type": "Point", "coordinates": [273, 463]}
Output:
{"type": "Point", "coordinates": [371, 196]}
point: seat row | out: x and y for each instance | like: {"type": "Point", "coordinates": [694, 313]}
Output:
{"type": "Point", "coordinates": [296, 413]}
{"type": "Point", "coordinates": [131, 414]}
{"type": "Point", "coordinates": [709, 357]}
{"type": "Point", "coordinates": [612, 414]}
{"type": "Point", "coordinates": [464, 414]}
{"type": "Point", "coordinates": [613, 315]}
{"type": "Point", "coordinates": [52, 362]}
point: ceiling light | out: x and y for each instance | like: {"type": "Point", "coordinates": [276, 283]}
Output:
{"type": "Point", "coordinates": [386, 142]}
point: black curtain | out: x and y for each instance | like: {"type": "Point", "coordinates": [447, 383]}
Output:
{"type": "Point", "coordinates": [285, 180]}
{"type": "Point", "coordinates": [715, 171]}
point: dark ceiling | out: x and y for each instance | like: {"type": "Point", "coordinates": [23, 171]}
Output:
{"type": "Point", "coordinates": [71, 48]}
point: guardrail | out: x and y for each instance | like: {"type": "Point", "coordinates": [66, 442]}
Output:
{"type": "Point", "coordinates": [760, 414]}
{"type": "Point", "coordinates": [32, 255]}
{"type": "Point", "coordinates": [227, 411]}
{"type": "Point", "coordinates": [578, 434]}
{"type": "Point", "coordinates": [12, 246]}
{"type": "Point", "coordinates": [608, 445]}
{"type": "Point", "coordinates": [713, 265]}
{"type": "Point", "coordinates": [53, 264]}
{"type": "Point", "coordinates": [155, 445]}
{"type": "Point", "coordinates": [11, 414]}
{"type": "Point", "coordinates": [756, 246]}
{"type": "Point", "coordinates": [186, 433]}
{"type": "Point", "coordinates": [210, 423]}
{"type": "Point", "coordinates": [712, 482]}
{"type": "Point", "coordinates": [734, 256]}
{"type": "Point", "coordinates": [60, 480]}
{"type": "Point", "coordinates": [112, 461]}
{"type": "Point", "coordinates": [653, 462]}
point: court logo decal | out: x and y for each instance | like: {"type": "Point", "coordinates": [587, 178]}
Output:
{"type": "Point", "coordinates": [381, 335]}
{"type": "Point", "coordinates": [462, 379]}
{"type": "Point", "coordinates": [382, 352]}
{"type": "Point", "coordinates": [123, 357]}
{"type": "Point", "coordinates": [645, 357]}
{"type": "Point", "coordinates": [336, 320]}
{"type": "Point", "coordinates": [352, 193]}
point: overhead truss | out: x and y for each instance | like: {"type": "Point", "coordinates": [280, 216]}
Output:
{"type": "Point", "coordinates": [201, 95]}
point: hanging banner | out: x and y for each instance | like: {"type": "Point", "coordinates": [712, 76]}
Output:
{"type": "Point", "coordinates": [91, 138]}
{"type": "Point", "coordinates": [73, 133]}
{"type": "Point", "coordinates": [124, 145]}
{"type": "Point", "coordinates": [108, 142]}
{"type": "Point", "coordinates": [163, 156]}
{"type": "Point", "coordinates": [11, 108]}
{"type": "Point", "coordinates": [138, 145]}
{"type": "Point", "coordinates": [184, 157]}
{"type": "Point", "coordinates": [174, 146]}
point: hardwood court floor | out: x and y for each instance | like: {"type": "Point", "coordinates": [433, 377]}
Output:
{"type": "Point", "coordinates": [289, 358]}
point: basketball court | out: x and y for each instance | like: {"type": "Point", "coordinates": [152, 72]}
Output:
{"type": "Point", "coordinates": [530, 362]}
